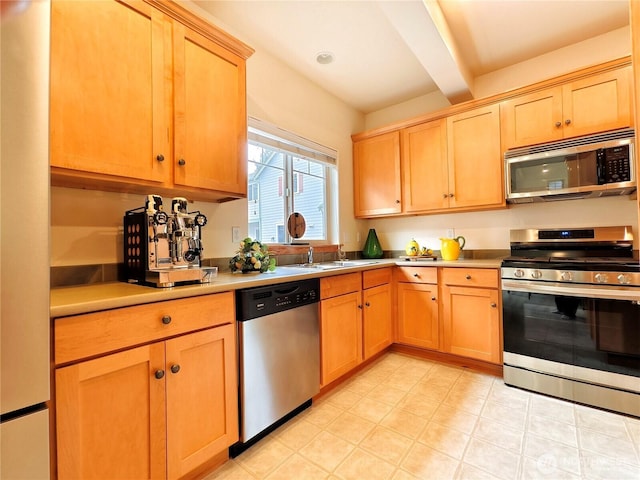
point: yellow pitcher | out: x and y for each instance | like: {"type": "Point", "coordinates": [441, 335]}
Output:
{"type": "Point", "coordinates": [450, 248]}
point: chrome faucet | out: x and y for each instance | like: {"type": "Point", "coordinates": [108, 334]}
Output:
{"type": "Point", "coordinates": [310, 255]}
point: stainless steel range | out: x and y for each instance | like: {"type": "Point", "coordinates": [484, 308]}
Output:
{"type": "Point", "coordinates": [571, 315]}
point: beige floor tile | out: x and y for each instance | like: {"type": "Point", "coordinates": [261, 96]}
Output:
{"type": "Point", "coordinates": [350, 427]}
{"type": "Point", "coordinates": [453, 417]}
{"type": "Point", "coordinates": [444, 439]}
{"type": "Point", "coordinates": [403, 475]}
{"type": "Point", "coordinates": [596, 466]}
{"type": "Point", "coordinates": [425, 462]}
{"type": "Point", "coordinates": [297, 466]}
{"type": "Point", "coordinates": [608, 423]}
{"type": "Point", "coordinates": [264, 457]}
{"type": "Point", "coordinates": [467, 385]}
{"type": "Point", "coordinates": [371, 410]}
{"type": "Point", "coordinates": [343, 398]}
{"type": "Point", "coordinates": [465, 401]}
{"type": "Point", "coordinates": [509, 396]}
{"type": "Point", "coordinates": [387, 444]}
{"type": "Point", "coordinates": [500, 435]}
{"type": "Point", "coordinates": [361, 465]}
{"type": "Point", "coordinates": [387, 394]}
{"type": "Point", "coordinates": [327, 451]}
{"type": "Point", "coordinates": [404, 422]}
{"type": "Point", "coordinates": [555, 409]}
{"type": "Point", "coordinates": [405, 418]}
{"type": "Point", "coordinates": [553, 430]}
{"type": "Point", "coordinates": [544, 468]}
{"type": "Point", "coordinates": [322, 414]}
{"type": "Point", "coordinates": [230, 471]}
{"type": "Point", "coordinates": [490, 458]}
{"type": "Point", "coordinates": [298, 434]}
{"type": "Point", "coordinates": [469, 472]}
{"type": "Point", "coordinates": [555, 455]}
{"type": "Point", "coordinates": [402, 381]}
{"type": "Point", "coordinates": [619, 449]}
{"type": "Point", "coordinates": [360, 385]}
{"type": "Point", "coordinates": [419, 405]}
{"type": "Point", "coordinates": [511, 417]}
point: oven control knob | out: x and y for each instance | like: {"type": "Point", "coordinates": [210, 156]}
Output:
{"type": "Point", "coordinates": [536, 274]}
{"type": "Point", "coordinates": [601, 278]}
{"type": "Point", "coordinates": [624, 279]}
{"type": "Point", "coordinates": [518, 273]}
{"type": "Point", "coordinates": [566, 276]}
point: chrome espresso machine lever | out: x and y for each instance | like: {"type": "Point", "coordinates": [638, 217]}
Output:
{"type": "Point", "coordinates": [163, 248]}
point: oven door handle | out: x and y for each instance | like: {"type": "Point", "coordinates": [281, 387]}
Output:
{"type": "Point", "coordinates": [592, 291]}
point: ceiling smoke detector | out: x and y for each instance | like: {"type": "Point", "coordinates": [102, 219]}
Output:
{"type": "Point", "coordinates": [324, 58]}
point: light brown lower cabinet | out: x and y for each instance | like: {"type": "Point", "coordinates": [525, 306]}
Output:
{"type": "Point", "coordinates": [418, 321]}
{"type": "Point", "coordinates": [377, 326]}
{"type": "Point", "coordinates": [160, 410]}
{"type": "Point", "coordinates": [471, 314]}
{"type": "Point", "coordinates": [355, 320]}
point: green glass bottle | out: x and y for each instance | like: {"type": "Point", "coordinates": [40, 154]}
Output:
{"type": "Point", "coordinates": [372, 248]}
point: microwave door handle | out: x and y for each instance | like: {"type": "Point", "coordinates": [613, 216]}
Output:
{"type": "Point", "coordinates": [601, 166]}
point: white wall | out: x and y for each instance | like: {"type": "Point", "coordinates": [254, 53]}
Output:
{"type": "Point", "coordinates": [489, 230]}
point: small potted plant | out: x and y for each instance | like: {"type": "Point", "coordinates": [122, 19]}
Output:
{"type": "Point", "coordinates": [252, 256]}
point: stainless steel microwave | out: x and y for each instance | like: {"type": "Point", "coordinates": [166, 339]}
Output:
{"type": "Point", "coordinates": [593, 166]}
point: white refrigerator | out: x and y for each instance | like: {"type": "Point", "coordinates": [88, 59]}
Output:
{"type": "Point", "coordinates": [24, 247]}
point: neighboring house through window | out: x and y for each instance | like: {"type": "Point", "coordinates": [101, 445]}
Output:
{"type": "Point", "coordinates": [287, 174]}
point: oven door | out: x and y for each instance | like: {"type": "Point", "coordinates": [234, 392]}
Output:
{"type": "Point", "coordinates": [587, 332]}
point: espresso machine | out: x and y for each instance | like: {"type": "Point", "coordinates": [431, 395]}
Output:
{"type": "Point", "coordinates": [163, 248]}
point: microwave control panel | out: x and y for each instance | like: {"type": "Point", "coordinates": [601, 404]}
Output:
{"type": "Point", "coordinates": [614, 165]}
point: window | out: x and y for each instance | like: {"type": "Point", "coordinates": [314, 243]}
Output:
{"type": "Point", "coordinates": [289, 174]}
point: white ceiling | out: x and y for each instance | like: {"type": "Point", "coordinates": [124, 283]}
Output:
{"type": "Point", "coordinates": [387, 52]}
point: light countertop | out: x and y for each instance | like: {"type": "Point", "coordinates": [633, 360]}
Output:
{"type": "Point", "coordinates": [81, 299]}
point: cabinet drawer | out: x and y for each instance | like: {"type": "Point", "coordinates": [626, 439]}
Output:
{"type": "Point", "coordinates": [98, 333]}
{"type": "Point", "coordinates": [340, 284]}
{"type": "Point", "coordinates": [373, 278]}
{"type": "Point", "coordinates": [471, 277]}
{"type": "Point", "coordinates": [417, 274]}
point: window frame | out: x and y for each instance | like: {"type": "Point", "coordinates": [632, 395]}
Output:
{"type": "Point", "coordinates": [292, 147]}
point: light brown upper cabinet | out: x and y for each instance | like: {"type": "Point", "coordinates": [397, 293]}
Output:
{"type": "Point", "coordinates": [139, 101]}
{"type": "Point", "coordinates": [376, 175]}
{"type": "Point", "coordinates": [588, 105]}
{"type": "Point", "coordinates": [474, 159]}
{"type": "Point", "coordinates": [425, 182]}
{"type": "Point", "coordinates": [452, 163]}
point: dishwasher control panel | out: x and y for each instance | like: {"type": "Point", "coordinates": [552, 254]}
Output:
{"type": "Point", "coordinates": [260, 301]}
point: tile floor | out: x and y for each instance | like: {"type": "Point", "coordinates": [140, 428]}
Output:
{"type": "Point", "coordinates": [405, 418]}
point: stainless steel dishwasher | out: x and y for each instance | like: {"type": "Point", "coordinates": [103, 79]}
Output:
{"type": "Point", "coordinates": [279, 355]}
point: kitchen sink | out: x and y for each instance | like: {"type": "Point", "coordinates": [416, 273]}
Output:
{"type": "Point", "coordinates": [330, 265]}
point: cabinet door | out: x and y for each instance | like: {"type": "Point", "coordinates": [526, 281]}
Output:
{"type": "Point", "coordinates": [202, 403]}
{"type": "Point", "coordinates": [110, 416]}
{"type": "Point", "coordinates": [418, 315]}
{"type": "Point", "coordinates": [210, 115]}
{"type": "Point", "coordinates": [340, 335]}
{"type": "Point", "coordinates": [376, 324]}
{"type": "Point", "coordinates": [532, 118]}
{"type": "Point", "coordinates": [598, 103]}
{"type": "Point", "coordinates": [376, 175]}
{"type": "Point", "coordinates": [109, 92]}
{"type": "Point", "coordinates": [471, 321]}
{"type": "Point", "coordinates": [424, 167]}
{"type": "Point", "coordinates": [475, 159]}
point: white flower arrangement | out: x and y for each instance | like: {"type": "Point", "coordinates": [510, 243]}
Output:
{"type": "Point", "coordinates": [252, 256]}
